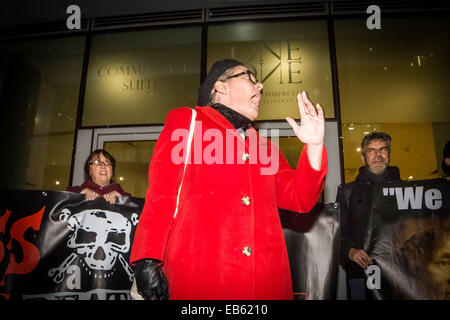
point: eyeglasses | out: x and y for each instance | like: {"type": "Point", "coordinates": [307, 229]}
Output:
{"type": "Point", "coordinates": [98, 163]}
{"type": "Point", "coordinates": [250, 74]}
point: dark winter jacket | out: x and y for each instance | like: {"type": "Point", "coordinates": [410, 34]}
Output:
{"type": "Point", "coordinates": [355, 202]}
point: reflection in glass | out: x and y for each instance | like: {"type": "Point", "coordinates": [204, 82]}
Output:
{"type": "Point", "coordinates": [287, 57]}
{"type": "Point", "coordinates": [138, 77]}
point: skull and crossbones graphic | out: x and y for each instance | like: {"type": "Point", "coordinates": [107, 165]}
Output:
{"type": "Point", "coordinates": [99, 237]}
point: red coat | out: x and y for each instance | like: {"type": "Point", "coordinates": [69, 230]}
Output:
{"type": "Point", "coordinates": [221, 246]}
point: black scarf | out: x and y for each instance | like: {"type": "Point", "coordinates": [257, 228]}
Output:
{"type": "Point", "coordinates": [391, 173]}
{"type": "Point", "coordinates": [235, 118]}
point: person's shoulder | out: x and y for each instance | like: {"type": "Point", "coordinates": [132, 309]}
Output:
{"type": "Point", "coordinates": [179, 113]}
{"type": "Point", "coordinates": [393, 173]}
{"type": "Point", "coordinates": [346, 190]}
{"type": "Point", "coordinates": [179, 117]}
{"type": "Point", "coordinates": [348, 185]}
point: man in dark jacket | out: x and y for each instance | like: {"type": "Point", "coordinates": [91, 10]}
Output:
{"type": "Point", "coordinates": [355, 204]}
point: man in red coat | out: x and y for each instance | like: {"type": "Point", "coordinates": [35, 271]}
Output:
{"type": "Point", "coordinates": [211, 227]}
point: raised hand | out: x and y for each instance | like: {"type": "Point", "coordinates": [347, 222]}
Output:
{"type": "Point", "coordinates": [311, 130]}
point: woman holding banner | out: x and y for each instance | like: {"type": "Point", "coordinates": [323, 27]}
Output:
{"type": "Point", "coordinates": [99, 171]}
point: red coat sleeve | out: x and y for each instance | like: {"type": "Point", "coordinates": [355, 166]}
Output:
{"type": "Point", "coordinates": [164, 177]}
{"type": "Point", "coordinates": [298, 190]}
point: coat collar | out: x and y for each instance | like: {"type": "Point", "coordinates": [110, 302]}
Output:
{"type": "Point", "coordinates": [238, 120]}
{"type": "Point", "coordinates": [391, 173]}
{"type": "Point", "coordinates": [215, 116]}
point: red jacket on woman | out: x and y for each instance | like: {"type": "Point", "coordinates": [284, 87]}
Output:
{"type": "Point", "coordinates": [225, 241]}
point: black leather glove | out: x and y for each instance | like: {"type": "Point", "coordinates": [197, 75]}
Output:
{"type": "Point", "coordinates": [151, 282]}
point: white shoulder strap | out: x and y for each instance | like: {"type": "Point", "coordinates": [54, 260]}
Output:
{"type": "Point", "coordinates": [188, 153]}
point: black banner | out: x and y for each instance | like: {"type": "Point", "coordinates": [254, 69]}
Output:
{"type": "Point", "coordinates": [312, 241]}
{"type": "Point", "coordinates": [58, 246]}
{"type": "Point", "coordinates": [409, 240]}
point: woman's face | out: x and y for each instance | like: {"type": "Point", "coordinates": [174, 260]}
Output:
{"type": "Point", "coordinates": [101, 170]}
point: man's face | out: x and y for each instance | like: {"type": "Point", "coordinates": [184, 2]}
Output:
{"type": "Point", "coordinates": [377, 156]}
{"type": "Point", "coordinates": [243, 94]}
{"type": "Point", "coordinates": [439, 268]}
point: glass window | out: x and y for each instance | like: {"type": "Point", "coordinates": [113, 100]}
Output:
{"type": "Point", "coordinates": [138, 77]}
{"type": "Point", "coordinates": [291, 147]}
{"type": "Point", "coordinates": [288, 57]}
{"type": "Point", "coordinates": [395, 80]}
{"type": "Point", "coordinates": [39, 99]}
{"type": "Point", "coordinates": [132, 161]}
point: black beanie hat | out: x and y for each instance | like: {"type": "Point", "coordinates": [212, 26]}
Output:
{"type": "Point", "coordinates": [217, 69]}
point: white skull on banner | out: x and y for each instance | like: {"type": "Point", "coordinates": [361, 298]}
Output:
{"type": "Point", "coordinates": [99, 236]}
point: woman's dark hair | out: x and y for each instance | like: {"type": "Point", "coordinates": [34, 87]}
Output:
{"type": "Point", "coordinates": [446, 154]}
{"type": "Point", "coordinates": [96, 155]}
